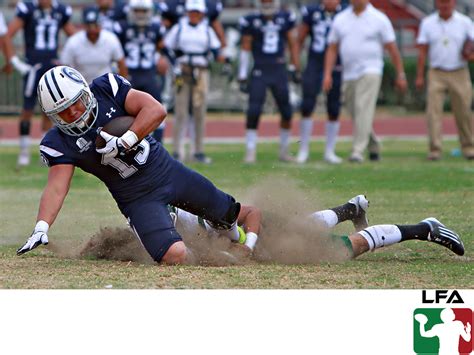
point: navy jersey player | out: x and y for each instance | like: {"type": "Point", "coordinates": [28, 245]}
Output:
{"type": "Point", "coordinates": [141, 176]}
{"type": "Point", "coordinates": [317, 20]}
{"type": "Point", "coordinates": [41, 22]}
{"type": "Point", "coordinates": [265, 34]}
{"type": "Point", "coordinates": [172, 10]}
{"type": "Point", "coordinates": [109, 12]}
{"type": "Point", "coordinates": [142, 39]}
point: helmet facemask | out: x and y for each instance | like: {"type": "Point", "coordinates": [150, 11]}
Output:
{"type": "Point", "coordinates": [82, 124]}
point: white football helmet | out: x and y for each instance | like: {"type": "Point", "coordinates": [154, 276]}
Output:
{"type": "Point", "coordinates": [59, 88]}
{"type": "Point", "coordinates": [268, 8]}
{"type": "Point", "coordinates": [141, 12]}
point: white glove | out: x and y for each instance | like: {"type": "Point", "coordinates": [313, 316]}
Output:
{"type": "Point", "coordinates": [37, 238]}
{"type": "Point", "coordinates": [22, 67]}
{"type": "Point", "coordinates": [117, 145]}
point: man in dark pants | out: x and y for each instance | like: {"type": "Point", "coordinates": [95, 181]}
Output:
{"type": "Point", "coordinates": [265, 35]}
{"type": "Point", "coordinates": [316, 23]}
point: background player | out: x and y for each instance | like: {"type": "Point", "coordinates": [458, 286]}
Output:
{"type": "Point", "coordinates": [41, 21]}
{"type": "Point", "coordinates": [316, 23]}
{"type": "Point", "coordinates": [109, 12]}
{"type": "Point", "coordinates": [265, 34]}
{"type": "Point", "coordinates": [142, 39]}
{"type": "Point", "coordinates": [137, 170]}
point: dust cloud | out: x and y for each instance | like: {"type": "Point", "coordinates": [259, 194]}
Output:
{"type": "Point", "coordinates": [288, 236]}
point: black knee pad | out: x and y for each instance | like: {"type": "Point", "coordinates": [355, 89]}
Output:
{"type": "Point", "coordinates": [252, 122]}
{"type": "Point", "coordinates": [25, 128]}
{"type": "Point", "coordinates": [229, 218]}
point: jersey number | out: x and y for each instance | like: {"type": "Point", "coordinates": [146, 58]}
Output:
{"type": "Point", "coordinates": [140, 56]}
{"type": "Point", "coordinates": [43, 31]}
{"type": "Point", "coordinates": [123, 168]}
{"type": "Point", "coordinates": [319, 37]}
{"type": "Point", "coordinates": [270, 42]}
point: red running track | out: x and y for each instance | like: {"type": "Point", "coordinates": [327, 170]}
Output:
{"type": "Point", "coordinates": [235, 128]}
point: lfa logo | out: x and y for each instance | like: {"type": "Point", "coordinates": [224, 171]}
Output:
{"type": "Point", "coordinates": [443, 331]}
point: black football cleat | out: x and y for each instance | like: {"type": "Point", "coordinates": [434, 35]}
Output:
{"type": "Point", "coordinates": [441, 235]}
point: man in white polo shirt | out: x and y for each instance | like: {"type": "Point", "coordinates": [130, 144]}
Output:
{"type": "Point", "coordinates": [93, 50]}
{"type": "Point", "coordinates": [360, 33]}
{"type": "Point", "coordinates": [441, 37]}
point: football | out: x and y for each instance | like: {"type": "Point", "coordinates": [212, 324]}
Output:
{"type": "Point", "coordinates": [421, 318]}
{"type": "Point", "coordinates": [116, 127]}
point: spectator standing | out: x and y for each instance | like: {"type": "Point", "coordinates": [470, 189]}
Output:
{"type": "Point", "coordinates": [41, 22]}
{"type": "Point", "coordinates": [93, 50]}
{"type": "Point", "coordinates": [317, 20]}
{"type": "Point", "coordinates": [441, 38]}
{"type": "Point", "coordinates": [194, 43]}
{"type": "Point", "coordinates": [360, 33]}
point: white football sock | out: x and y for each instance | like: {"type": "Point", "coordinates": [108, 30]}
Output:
{"type": "Point", "coordinates": [284, 139]}
{"type": "Point", "coordinates": [25, 143]}
{"type": "Point", "coordinates": [332, 130]}
{"type": "Point", "coordinates": [327, 217]}
{"type": "Point", "coordinates": [251, 240]}
{"type": "Point", "coordinates": [381, 235]}
{"type": "Point", "coordinates": [306, 128]}
{"type": "Point", "coordinates": [251, 139]}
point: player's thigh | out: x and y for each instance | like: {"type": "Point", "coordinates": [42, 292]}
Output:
{"type": "Point", "coordinates": [198, 195]}
{"type": "Point", "coordinates": [312, 79]}
{"type": "Point", "coordinates": [280, 87]}
{"type": "Point", "coordinates": [153, 225]}
{"type": "Point", "coordinates": [257, 87]}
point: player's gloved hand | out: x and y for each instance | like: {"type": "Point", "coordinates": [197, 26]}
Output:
{"type": "Point", "coordinates": [117, 145]}
{"type": "Point", "coordinates": [295, 75]}
{"type": "Point", "coordinates": [22, 67]}
{"type": "Point", "coordinates": [244, 86]}
{"type": "Point", "coordinates": [37, 238]}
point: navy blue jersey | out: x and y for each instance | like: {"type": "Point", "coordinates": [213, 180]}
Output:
{"type": "Point", "coordinates": [127, 177]}
{"type": "Point", "coordinates": [319, 22]}
{"type": "Point", "coordinates": [269, 36]}
{"type": "Point", "coordinates": [173, 10]}
{"type": "Point", "coordinates": [41, 29]}
{"type": "Point", "coordinates": [108, 17]}
{"type": "Point", "coordinates": [139, 45]}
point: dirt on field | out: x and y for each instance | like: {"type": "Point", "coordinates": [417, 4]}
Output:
{"type": "Point", "coordinates": [288, 236]}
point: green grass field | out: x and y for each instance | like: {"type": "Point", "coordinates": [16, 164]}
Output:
{"type": "Point", "coordinates": [402, 188]}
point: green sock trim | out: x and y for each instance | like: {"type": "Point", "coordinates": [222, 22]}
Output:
{"type": "Point", "coordinates": [345, 240]}
{"type": "Point", "coordinates": [242, 235]}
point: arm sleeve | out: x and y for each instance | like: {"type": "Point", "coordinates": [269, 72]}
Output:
{"type": "Point", "coordinates": [113, 85]}
{"type": "Point", "coordinates": [291, 23]}
{"type": "Point", "coordinates": [214, 11]}
{"type": "Point", "coordinates": [422, 34]}
{"type": "Point", "coordinates": [244, 26]}
{"type": "Point", "coordinates": [388, 34]}
{"type": "Point", "coordinates": [306, 18]}
{"type": "Point", "coordinates": [67, 15]}
{"type": "Point", "coordinates": [3, 26]}
{"type": "Point", "coordinates": [52, 150]}
{"type": "Point", "coordinates": [22, 11]}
